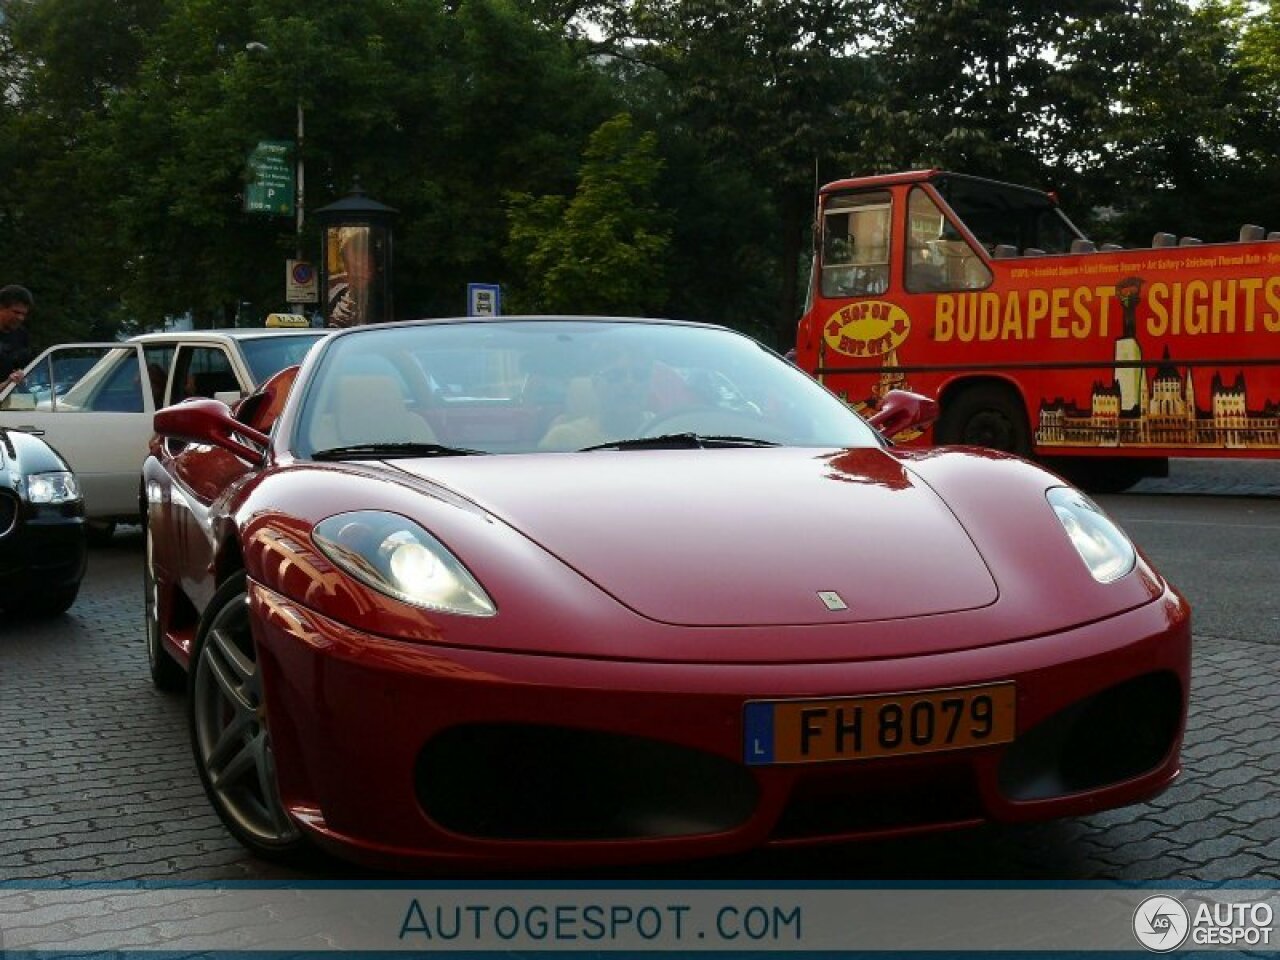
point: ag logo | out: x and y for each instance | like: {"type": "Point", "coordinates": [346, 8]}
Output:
{"type": "Point", "coordinates": [868, 329]}
{"type": "Point", "coordinates": [1161, 924]}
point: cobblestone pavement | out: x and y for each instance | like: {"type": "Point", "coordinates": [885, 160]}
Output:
{"type": "Point", "coordinates": [96, 781]}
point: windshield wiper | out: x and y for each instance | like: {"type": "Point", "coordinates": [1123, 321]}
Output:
{"type": "Point", "coordinates": [679, 441]}
{"type": "Point", "coordinates": [382, 451]}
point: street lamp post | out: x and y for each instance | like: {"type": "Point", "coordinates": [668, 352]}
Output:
{"type": "Point", "coordinates": [299, 186]}
{"type": "Point", "coordinates": [300, 191]}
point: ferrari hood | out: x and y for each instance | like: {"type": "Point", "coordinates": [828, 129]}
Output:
{"type": "Point", "coordinates": [730, 537]}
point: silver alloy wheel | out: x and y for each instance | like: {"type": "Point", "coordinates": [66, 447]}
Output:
{"type": "Point", "coordinates": [233, 746]}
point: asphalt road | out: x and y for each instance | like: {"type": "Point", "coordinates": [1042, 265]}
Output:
{"type": "Point", "coordinates": [1213, 528]}
{"type": "Point", "coordinates": [1223, 553]}
{"type": "Point", "coordinates": [96, 781]}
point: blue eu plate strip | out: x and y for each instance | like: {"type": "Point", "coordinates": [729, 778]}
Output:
{"type": "Point", "coordinates": [757, 728]}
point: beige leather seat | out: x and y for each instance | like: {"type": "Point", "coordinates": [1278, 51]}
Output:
{"type": "Point", "coordinates": [571, 430]}
{"type": "Point", "coordinates": [369, 409]}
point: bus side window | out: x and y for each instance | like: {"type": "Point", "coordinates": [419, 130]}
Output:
{"type": "Point", "coordinates": [855, 244]}
{"type": "Point", "coordinates": [938, 257]}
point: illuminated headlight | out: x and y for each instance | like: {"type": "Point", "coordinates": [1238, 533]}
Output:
{"type": "Point", "coordinates": [52, 488]}
{"type": "Point", "coordinates": [1103, 546]}
{"type": "Point", "coordinates": [395, 556]}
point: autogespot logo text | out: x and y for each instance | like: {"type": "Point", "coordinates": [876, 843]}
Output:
{"type": "Point", "coordinates": [1161, 924]}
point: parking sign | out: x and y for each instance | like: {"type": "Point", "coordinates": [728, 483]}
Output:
{"type": "Point", "coordinates": [484, 300]}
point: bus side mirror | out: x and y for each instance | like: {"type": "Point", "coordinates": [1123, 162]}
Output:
{"type": "Point", "coordinates": [902, 410]}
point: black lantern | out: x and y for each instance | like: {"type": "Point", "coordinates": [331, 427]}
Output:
{"type": "Point", "coordinates": [355, 268]}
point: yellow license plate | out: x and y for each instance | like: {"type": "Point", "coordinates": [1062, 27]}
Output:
{"type": "Point", "coordinates": [854, 728]}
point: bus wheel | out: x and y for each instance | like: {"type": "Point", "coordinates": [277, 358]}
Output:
{"type": "Point", "coordinates": [986, 416]}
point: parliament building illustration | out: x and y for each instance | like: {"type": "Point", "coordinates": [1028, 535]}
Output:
{"type": "Point", "coordinates": [1130, 411]}
{"type": "Point", "coordinates": [1168, 416]}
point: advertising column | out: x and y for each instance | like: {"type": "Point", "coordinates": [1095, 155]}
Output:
{"type": "Point", "coordinates": [357, 259]}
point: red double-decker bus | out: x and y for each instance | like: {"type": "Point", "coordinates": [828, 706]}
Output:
{"type": "Point", "coordinates": [1102, 361]}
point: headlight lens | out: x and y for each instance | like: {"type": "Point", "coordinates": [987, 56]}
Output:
{"type": "Point", "coordinates": [1103, 546]}
{"type": "Point", "coordinates": [397, 557]}
{"type": "Point", "coordinates": [60, 487]}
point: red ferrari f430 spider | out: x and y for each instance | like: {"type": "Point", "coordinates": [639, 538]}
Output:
{"type": "Point", "coordinates": [535, 591]}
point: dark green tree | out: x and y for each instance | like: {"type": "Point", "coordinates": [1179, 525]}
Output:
{"type": "Point", "coordinates": [602, 251]}
{"type": "Point", "coordinates": [1155, 139]}
{"type": "Point", "coordinates": [1126, 106]}
{"type": "Point", "coordinates": [440, 108]}
{"type": "Point", "coordinates": [125, 126]}
{"type": "Point", "coordinates": [63, 64]}
{"type": "Point", "coordinates": [514, 105]}
{"type": "Point", "coordinates": [750, 94]}
{"type": "Point", "coordinates": [1258, 117]}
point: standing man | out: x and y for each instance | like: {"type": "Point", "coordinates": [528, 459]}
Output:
{"type": "Point", "coordinates": [15, 343]}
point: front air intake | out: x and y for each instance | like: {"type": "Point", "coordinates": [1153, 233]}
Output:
{"type": "Point", "coordinates": [524, 782]}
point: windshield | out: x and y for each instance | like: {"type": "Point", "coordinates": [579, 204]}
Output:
{"type": "Point", "coordinates": [269, 355]}
{"type": "Point", "coordinates": [523, 386]}
{"type": "Point", "coordinates": [1003, 214]}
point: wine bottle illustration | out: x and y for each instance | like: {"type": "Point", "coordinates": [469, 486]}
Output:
{"type": "Point", "coordinates": [1130, 374]}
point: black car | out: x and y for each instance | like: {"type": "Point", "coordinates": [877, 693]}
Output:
{"type": "Point", "coordinates": [42, 527]}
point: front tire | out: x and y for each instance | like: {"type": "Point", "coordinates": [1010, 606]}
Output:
{"type": "Point", "coordinates": [229, 734]}
{"type": "Point", "coordinates": [989, 415]}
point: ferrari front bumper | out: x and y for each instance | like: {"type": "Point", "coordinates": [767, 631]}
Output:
{"type": "Point", "coordinates": [394, 752]}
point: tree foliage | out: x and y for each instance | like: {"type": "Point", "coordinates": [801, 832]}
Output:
{"type": "Point", "coordinates": [754, 88]}
{"type": "Point", "coordinates": [1116, 103]}
{"type": "Point", "coordinates": [655, 156]}
{"type": "Point", "coordinates": [602, 250]}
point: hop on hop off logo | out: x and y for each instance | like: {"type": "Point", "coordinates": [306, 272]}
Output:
{"type": "Point", "coordinates": [1161, 924]}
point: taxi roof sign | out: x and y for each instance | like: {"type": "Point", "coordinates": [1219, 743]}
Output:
{"type": "Point", "coordinates": [287, 320]}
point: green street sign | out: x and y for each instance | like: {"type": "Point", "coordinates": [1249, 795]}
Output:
{"type": "Point", "coordinates": [270, 186]}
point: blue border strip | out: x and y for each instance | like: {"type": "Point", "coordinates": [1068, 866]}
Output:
{"type": "Point", "coordinates": [610, 955]}
{"type": "Point", "coordinates": [521, 884]}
